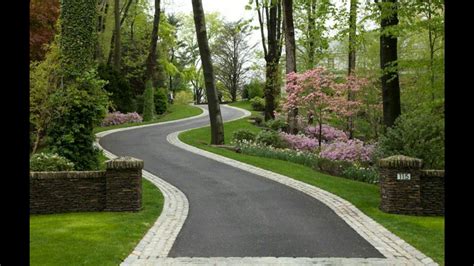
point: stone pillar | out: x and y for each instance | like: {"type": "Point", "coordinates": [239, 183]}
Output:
{"type": "Point", "coordinates": [123, 184]}
{"type": "Point", "coordinates": [400, 185]}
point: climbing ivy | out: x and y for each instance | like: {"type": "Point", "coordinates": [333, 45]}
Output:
{"type": "Point", "coordinates": [78, 36]}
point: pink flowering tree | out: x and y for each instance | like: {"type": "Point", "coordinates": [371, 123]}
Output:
{"type": "Point", "coordinates": [316, 92]}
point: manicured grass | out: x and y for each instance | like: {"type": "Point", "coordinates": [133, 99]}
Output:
{"type": "Point", "coordinates": [424, 233]}
{"type": "Point", "coordinates": [246, 105]}
{"type": "Point", "coordinates": [94, 238]}
{"type": "Point", "coordinates": [175, 111]}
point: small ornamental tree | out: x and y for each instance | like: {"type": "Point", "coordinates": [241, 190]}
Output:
{"type": "Point", "coordinates": [316, 92]}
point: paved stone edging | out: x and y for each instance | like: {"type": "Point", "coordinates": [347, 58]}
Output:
{"type": "Point", "coordinates": [395, 249]}
{"type": "Point", "coordinates": [159, 239]}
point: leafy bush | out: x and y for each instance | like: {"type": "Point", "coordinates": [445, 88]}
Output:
{"type": "Point", "coordinates": [121, 92]}
{"type": "Point", "coordinates": [277, 125]}
{"type": "Point", "coordinates": [333, 167]}
{"type": "Point", "coordinates": [351, 150]}
{"type": "Point", "coordinates": [45, 162]}
{"type": "Point", "coordinates": [417, 134]}
{"type": "Point", "coordinates": [364, 174]}
{"type": "Point", "coordinates": [148, 102]}
{"type": "Point", "coordinates": [270, 138]}
{"type": "Point", "coordinates": [243, 134]}
{"type": "Point", "coordinates": [254, 89]}
{"type": "Point", "coordinates": [258, 104]}
{"type": "Point", "coordinates": [183, 97]}
{"type": "Point", "coordinates": [79, 107]}
{"type": "Point", "coordinates": [117, 118]}
{"type": "Point", "coordinates": [161, 101]}
{"type": "Point", "coordinates": [299, 142]}
{"type": "Point", "coordinates": [139, 103]}
{"type": "Point", "coordinates": [258, 120]}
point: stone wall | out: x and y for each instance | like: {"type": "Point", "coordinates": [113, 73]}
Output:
{"type": "Point", "coordinates": [432, 192]}
{"type": "Point", "coordinates": [118, 188]}
{"type": "Point", "coordinates": [406, 189]}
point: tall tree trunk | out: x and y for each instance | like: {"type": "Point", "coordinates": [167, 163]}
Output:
{"type": "Point", "coordinates": [311, 11]}
{"type": "Point", "coordinates": [388, 63]}
{"type": "Point", "coordinates": [273, 14]}
{"type": "Point", "coordinates": [113, 42]}
{"type": "Point", "coordinates": [290, 45]}
{"type": "Point", "coordinates": [151, 59]}
{"type": "Point", "coordinates": [352, 57]}
{"type": "Point", "coordinates": [217, 127]}
{"type": "Point", "coordinates": [117, 48]}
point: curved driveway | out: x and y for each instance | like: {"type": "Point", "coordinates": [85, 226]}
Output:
{"type": "Point", "coordinates": [234, 213]}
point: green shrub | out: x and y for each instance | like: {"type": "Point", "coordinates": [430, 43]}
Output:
{"type": "Point", "coordinates": [120, 91]}
{"type": "Point", "coordinates": [277, 124]}
{"type": "Point", "coordinates": [254, 89]}
{"type": "Point", "coordinates": [183, 97]}
{"type": "Point", "coordinates": [243, 134]}
{"type": "Point", "coordinates": [368, 175]}
{"type": "Point", "coordinates": [333, 167]}
{"type": "Point", "coordinates": [79, 107]}
{"type": "Point", "coordinates": [148, 102]}
{"type": "Point", "coordinates": [161, 101]}
{"type": "Point", "coordinates": [417, 134]}
{"type": "Point", "coordinates": [270, 138]}
{"type": "Point", "coordinates": [139, 103]}
{"type": "Point", "coordinates": [245, 93]}
{"type": "Point", "coordinates": [258, 120]}
{"type": "Point", "coordinates": [258, 104]}
{"type": "Point", "coordinates": [44, 162]}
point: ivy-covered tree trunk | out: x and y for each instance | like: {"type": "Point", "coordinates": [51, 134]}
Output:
{"type": "Point", "coordinates": [352, 57]}
{"type": "Point", "coordinates": [388, 62]}
{"type": "Point", "coordinates": [151, 59]}
{"type": "Point", "coordinates": [217, 127]}
{"type": "Point", "coordinates": [290, 45]}
{"type": "Point", "coordinates": [80, 104]}
{"type": "Point", "coordinates": [117, 47]}
{"type": "Point", "coordinates": [273, 15]}
{"type": "Point", "coordinates": [77, 42]}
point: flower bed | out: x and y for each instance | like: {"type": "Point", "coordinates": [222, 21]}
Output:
{"type": "Point", "coordinates": [117, 118]}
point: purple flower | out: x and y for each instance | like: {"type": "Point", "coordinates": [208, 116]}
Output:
{"type": "Point", "coordinates": [117, 118]}
{"type": "Point", "coordinates": [328, 133]}
{"type": "Point", "coordinates": [299, 142]}
{"type": "Point", "coordinates": [351, 150]}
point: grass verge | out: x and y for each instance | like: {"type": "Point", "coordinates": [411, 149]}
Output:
{"type": "Point", "coordinates": [424, 233]}
{"type": "Point", "coordinates": [94, 238]}
{"type": "Point", "coordinates": [176, 111]}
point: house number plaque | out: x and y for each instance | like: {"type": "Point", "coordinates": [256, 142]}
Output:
{"type": "Point", "coordinates": [403, 176]}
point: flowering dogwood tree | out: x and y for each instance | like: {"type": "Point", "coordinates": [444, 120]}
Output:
{"type": "Point", "coordinates": [316, 91]}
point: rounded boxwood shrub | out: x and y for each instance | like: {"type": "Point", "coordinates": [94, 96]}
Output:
{"type": "Point", "coordinates": [161, 101]}
{"type": "Point", "coordinates": [258, 104]}
{"type": "Point", "coordinates": [243, 134]}
{"type": "Point", "coordinates": [333, 167]}
{"type": "Point", "coordinates": [270, 138]}
{"type": "Point", "coordinates": [43, 162]}
{"type": "Point", "coordinates": [418, 134]}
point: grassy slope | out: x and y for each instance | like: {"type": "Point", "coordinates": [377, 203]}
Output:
{"type": "Point", "coordinates": [94, 238]}
{"type": "Point", "coordinates": [174, 112]}
{"type": "Point", "coordinates": [424, 233]}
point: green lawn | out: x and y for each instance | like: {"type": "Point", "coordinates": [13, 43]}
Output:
{"type": "Point", "coordinates": [424, 233]}
{"type": "Point", "coordinates": [175, 111]}
{"type": "Point", "coordinates": [92, 238]}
